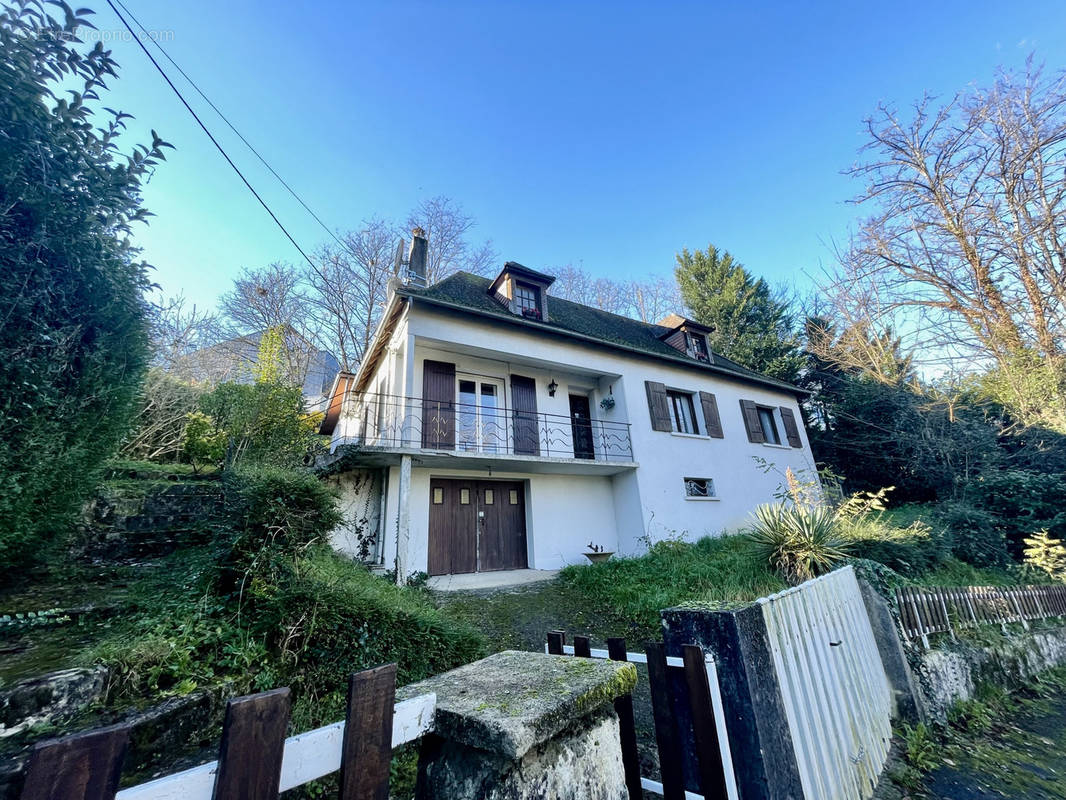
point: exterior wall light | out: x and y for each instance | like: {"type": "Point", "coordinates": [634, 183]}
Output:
{"type": "Point", "coordinates": [552, 387]}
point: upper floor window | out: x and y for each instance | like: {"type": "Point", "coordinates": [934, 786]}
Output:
{"type": "Point", "coordinates": [682, 412]}
{"type": "Point", "coordinates": [769, 425]}
{"type": "Point", "coordinates": [526, 299]}
{"type": "Point", "coordinates": [696, 346]}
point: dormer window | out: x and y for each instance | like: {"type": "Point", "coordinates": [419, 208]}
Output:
{"type": "Point", "coordinates": [523, 291]}
{"type": "Point", "coordinates": [696, 346]}
{"type": "Point", "coordinates": [686, 335]}
{"type": "Point", "coordinates": [527, 300]}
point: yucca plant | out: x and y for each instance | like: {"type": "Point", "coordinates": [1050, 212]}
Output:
{"type": "Point", "coordinates": [799, 542]}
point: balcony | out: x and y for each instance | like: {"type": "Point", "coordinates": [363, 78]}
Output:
{"type": "Point", "coordinates": [482, 435]}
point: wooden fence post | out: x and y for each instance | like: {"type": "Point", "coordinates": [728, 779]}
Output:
{"type": "Point", "coordinates": [367, 748]}
{"type": "Point", "coordinates": [253, 742]}
{"type": "Point", "coordinates": [84, 766]}
{"type": "Point", "coordinates": [556, 640]}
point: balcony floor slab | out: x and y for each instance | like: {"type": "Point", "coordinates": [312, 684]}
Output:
{"type": "Point", "coordinates": [372, 456]}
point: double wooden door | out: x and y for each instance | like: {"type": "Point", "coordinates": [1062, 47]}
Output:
{"type": "Point", "coordinates": [476, 526]}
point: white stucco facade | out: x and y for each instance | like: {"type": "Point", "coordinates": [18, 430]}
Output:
{"type": "Point", "coordinates": [627, 496]}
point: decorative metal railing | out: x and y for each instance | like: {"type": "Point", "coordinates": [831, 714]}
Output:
{"type": "Point", "coordinates": [391, 421]}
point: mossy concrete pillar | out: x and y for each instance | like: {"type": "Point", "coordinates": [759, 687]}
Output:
{"type": "Point", "coordinates": [524, 726]}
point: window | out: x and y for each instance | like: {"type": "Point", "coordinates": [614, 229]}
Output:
{"type": "Point", "coordinates": [696, 346]}
{"type": "Point", "coordinates": [464, 497]}
{"type": "Point", "coordinates": [769, 425]}
{"type": "Point", "coordinates": [438, 495]}
{"type": "Point", "coordinates": [699, 487]}
{"type": "Point", "coordinates": [525, 300]}
{"type": "Point", "coordinates": [514, 497]}
{"type": "Point", "coordinates": [682, 412]}
{"type": "Point", "coordinates": [488, 497]}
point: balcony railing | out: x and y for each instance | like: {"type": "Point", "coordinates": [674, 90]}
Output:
{"type": "Point", "coordinates": [390, 421]}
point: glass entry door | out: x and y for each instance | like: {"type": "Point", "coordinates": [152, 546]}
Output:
{"type": "Point", "coordinates": [482, 423]}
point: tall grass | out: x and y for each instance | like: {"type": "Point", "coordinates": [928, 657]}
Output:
{"type": "Point", "coordinates": [718, 571]}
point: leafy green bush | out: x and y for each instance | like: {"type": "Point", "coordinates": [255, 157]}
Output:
{"type": "Point", "coordinates": [976, 536]}
{"type": "Point", "coordinates": [202, 443]}
{"type": "Point", "coordinates": [799, 542]}
{"type": "Point", "coordinates": [920, 747]}
{"type": "Point", "coordinates": [912, 550]}
{"type": "Point", "coordinates": [74, 334]}
{"type": "Point", "coordinates": [273, 516]}
{"type": "Point", "coordinates": [262, 423]}
{"type": "Point", "coordinates": [332, 617]}
{"type": "Point", "coordinates": [1021, 502]}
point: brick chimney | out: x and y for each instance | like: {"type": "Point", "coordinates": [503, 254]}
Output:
{"type": "Point", "coordinates": [416, 258]}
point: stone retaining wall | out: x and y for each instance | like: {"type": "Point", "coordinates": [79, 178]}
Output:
{"type": "Point", "coordinates": [951, 671]}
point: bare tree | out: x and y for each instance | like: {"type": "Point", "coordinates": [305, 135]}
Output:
{"type": "Point", "coordinates": [654, 298]}
{"type": "Point", "coordinates": [179, 329]}
{"type": "Point", "coordinates": [447, 227]}
{"type": "Point", "coordinates": [274, 296]}
{"type": "Point", "coordinates": [965, 251]}
{"type": "Point", "coordinates": [648, 300]}
{"type": "Point", "coordinates": [348, 290]}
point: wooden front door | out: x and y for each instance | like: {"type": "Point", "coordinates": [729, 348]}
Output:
{"type": "Point", "coordinates": [581, 426]}
{"type": "Point", "coordinates": [476, 526]}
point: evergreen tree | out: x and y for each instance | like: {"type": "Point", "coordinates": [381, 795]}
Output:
{"type": "Point", "coordinates": [751, 325]}
{"type": "Point", "coordinates": [73, 328]}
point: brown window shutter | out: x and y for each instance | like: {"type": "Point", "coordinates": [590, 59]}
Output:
{"type": "Point", "coordinates": [659, 406]}
{"type": "Point", "coordinates": [791, 429]}
{"type": "Point", "coordinates": [751, 421]}
{"type": "Point", "coordinates": [526, 425]}
{"type": "Point", "coordinates": [710, 415]}
{"type": "Point", "coordinates": [438, 404]}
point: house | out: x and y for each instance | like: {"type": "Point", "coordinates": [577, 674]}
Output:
{"type": "Point", "coordinates": [234, 360]}
{"type": "Point", "coordinates": [492, 426]}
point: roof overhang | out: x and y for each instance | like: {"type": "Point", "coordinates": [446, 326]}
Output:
{"type": "Point", "coordinates": [679, 360]}
{"type": "Point", "coordinates": [340, 387]}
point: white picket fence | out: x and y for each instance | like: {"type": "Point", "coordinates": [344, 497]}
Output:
{"type": "Point", "coordinates": [837, 698]}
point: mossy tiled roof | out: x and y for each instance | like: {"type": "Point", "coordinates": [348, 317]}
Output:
{"type": "Point", "coordinates": [464, 291]}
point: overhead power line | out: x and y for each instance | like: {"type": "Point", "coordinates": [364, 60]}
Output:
{"type": "Point", "coordinates": [232, 127]}
{"type": "Point", "coordinates": [214, 141]}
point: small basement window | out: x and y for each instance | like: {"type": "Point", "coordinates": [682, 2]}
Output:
{"type": "Point", "coordinates": [699, 488]}
{"type": "Point", "coordinates": [769, 425]}
{"type": "Point", "coordinates": [682, 412]}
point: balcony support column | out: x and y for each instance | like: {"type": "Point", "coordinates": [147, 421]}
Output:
{"type": "Point", "coordinates": [403, 521]}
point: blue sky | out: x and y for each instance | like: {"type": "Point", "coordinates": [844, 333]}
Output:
{"type": "Point", "coordinates": [608, 135]}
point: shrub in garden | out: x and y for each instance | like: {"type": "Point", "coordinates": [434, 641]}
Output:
{"type": "Point", "coordinates": [798, 541]}
{"type": "Point", "coordinates": [913, 550]}
{"type": "Point", "coordinates": [1020, 502]}
{"type": "Point", "coordinates": [976, 536]}
{"type": "Point", "coordinates": [272, 517]}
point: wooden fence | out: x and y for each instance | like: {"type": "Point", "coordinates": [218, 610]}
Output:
{"type": "Point", "coordinates": [255, 761]}
{"type": "Point", "coordinates": [715, 765]}
{"type": "Point", "coordinates": [925, 611]}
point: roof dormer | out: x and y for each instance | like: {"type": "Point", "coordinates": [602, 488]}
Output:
{"type": "Point", "coordinates": [687, 336]}
{"type": "Point", "coordinates": [522, 290]}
